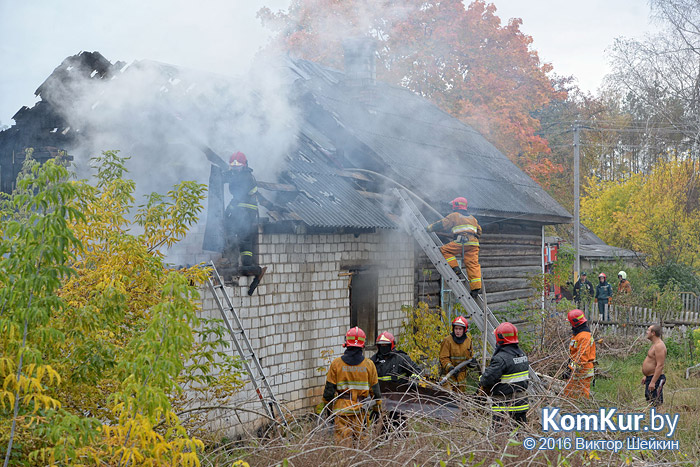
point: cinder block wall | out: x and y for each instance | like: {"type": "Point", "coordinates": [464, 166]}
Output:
{"type": "Point", "coordinates": [302, 307]}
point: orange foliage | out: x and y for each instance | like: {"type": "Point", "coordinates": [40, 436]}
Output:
{"type": "Point", "coordinates": [462, 59]}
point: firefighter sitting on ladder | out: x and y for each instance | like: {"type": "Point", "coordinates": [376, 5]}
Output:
{"type": "Point", "coordinates": [466, 232]}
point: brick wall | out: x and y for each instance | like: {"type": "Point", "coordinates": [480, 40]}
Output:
{"type": "Point", "coordinates": [302, 308]}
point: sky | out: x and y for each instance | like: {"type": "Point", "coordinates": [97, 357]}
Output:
{"type": "Point", "coordinates": [223, 36]}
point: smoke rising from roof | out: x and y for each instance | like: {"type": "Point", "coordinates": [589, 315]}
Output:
{"type": "Point", "coordinates": [160, 115]}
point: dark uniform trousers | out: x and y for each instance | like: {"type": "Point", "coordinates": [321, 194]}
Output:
{"type": "Point", "coordinates": [508, 377]}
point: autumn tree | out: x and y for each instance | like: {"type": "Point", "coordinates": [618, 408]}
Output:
{"type": "Point", "coordinates": [657, 80]}
{"type": "Point", "coordinates": [657, 214]}
{"type": "Point", "coordinates": [462, 59]}
{"type": "Point", "coordinates": [98, 336]}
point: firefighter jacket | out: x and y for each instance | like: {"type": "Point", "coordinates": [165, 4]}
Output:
{"type": "Point", "coordinates": [624, 286]}
{"type": "Point", "coordinates": [581, 352]}
{"type": "Point", "coordinates": [465, 230]}
{"type": "Point", "coordinates": [507, 373]}
{"type": "Point", "coordinates": [583, 287]}
{"type": "Point", "coordinates": [603, 291]}
{"type": "Point", "coordinates": [355, 379]}
{"type": "Point", "coordinates": [243, 188]}
{"type": "Point", "coordinates": [454, 351]}
{"type": "Point", "coordinates": [394, 365]}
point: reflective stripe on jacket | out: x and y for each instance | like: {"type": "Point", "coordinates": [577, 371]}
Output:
{"type": "Point", "coordinates": [394, 365]}
{"type": "Point", "coordinates": [353, 383]}
{"type": "Point", "coordinates": [452, 354]}
{"type": "Point", "coordinates": [508, 371]}
{"type": "Point", "coordinates": [582, 354]}
{"type": "Point", "coordinates": [464, 229]}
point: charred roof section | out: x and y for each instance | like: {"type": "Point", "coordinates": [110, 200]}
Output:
{"type": "Point", "coordinates": [395, 133]}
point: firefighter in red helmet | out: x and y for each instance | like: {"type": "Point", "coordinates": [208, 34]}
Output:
{"type": "Point", "coordinates": [455, 349]}
{"type": "Point", "coordinates": [581, 357]}
{"type": "Point", "coordinates": [392, 364]}
{"type": "Point", "coordinates": [354, 379]}
{"type": "Point", "coordinates": [241, 215]}
{"type": "Point", "coordinates": [507, 376]}
{"type": "Point", "coordinates": [465, 231]}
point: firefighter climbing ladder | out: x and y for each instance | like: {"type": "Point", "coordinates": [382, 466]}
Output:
{"type": "Point", "coordinates": [430, 243]}
{"type": "Point", "coordinates": [245, 349]}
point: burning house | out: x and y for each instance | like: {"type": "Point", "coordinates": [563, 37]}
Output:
{"type": "Point", "coordinates": [336, 254]}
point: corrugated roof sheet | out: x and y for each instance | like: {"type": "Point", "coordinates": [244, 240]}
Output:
{"type": "Point", "coordinates": [327, 200]}
{"type": "Point", "coordinates": [436, 154]}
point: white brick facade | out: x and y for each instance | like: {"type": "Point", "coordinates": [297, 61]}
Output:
{"type": "Point", "coordinates": [302, 305]}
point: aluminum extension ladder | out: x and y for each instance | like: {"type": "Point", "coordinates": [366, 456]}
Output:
{"type": "Point", "coordinates": [415, 223]}
{"type": "Point", "coordinates": [245, 349]}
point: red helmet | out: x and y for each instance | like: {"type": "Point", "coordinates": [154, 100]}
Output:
{"type": "Point", "coordinates": [602, 274]}
{"type": "Point", "coordinates": [355, 337]}
{"type": "Point", "coordinates": [506, 333]}
{"type": "Point", "coordinates": [576, 317]}
{"type": "Point", "coordinates": [386, 338]}
{"type": "Point", "coordinates": [461, 321]}
{"type": "Point", "coordinates": [459, 203]}
{"type": "Point", "coordinates": [237, 160]}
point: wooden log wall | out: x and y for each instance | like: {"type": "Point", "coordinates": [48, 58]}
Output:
{"type": "Point", "coordinates": [510, 253]}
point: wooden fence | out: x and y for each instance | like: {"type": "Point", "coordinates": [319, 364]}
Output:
{"type": "Point", "coordinates": [632, 320]}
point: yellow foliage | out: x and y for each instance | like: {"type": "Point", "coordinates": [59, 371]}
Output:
{"type": "Point", "coordinates": [422, 333]}
{"type": "Point", "coordinates": [657, 214]}
{"type": "Point", "coordinates": [92, 363]}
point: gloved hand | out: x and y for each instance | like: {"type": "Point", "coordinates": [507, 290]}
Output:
{"type": "Point", "coordinates": [377, 406]}
{"type": "Point", "coordinates": [320, 407]}
{"type": "Point", "coordinates": [449, 368]}
{"type": "Point", "coordinates": [472, 363]}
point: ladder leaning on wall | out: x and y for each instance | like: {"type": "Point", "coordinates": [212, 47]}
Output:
{"type": "Point", "coordinates": [430, 243]}
{"type": "Point", "coordinates": [243, 346]}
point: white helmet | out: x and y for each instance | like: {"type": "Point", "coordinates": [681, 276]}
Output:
{"type": "Point", "coordinates": [622, 274]}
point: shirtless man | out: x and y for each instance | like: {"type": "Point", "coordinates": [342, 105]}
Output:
{"type": "Point", "coordinates": [653, 367]}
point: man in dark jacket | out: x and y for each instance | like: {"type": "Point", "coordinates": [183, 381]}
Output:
{"type": "Point", "coordinates": [506, 378]}
{"type": "Point", "coordinates": [583, 291]}
{"type": "Point", "coordinates": [603, 294]}
{"type": "Point", "coordinates": [392, 364]}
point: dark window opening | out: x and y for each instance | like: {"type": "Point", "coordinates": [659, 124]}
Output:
{"type": "Point", "coordinates": [364, 291]}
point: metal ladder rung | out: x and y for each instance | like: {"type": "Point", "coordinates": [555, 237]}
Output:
{"type": "Point", "coordinates": [244, 348]}
{"type": "Point", "coordinates": [430, 243]}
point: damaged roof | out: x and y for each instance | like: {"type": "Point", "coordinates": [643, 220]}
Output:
{"type": "Point", "coordinates": [396, 133]}
{"type": "Point", "coordinates": [427, 149]}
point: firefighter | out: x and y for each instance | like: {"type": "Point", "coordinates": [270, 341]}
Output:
{"type": "Point", "coordinates": [354, 378]}
{"type": "Point", "coordinates": [395, 366]}
{"type": "Point", "coordinates": [582, 357]}
{"type": "Point", "coordinates": [241, 216]}
{"type": "Point", "coordinates": [392, 364]}
{"type": "Point", "coordinates": [506, 378]}
{"type": "Point", "coordinates": [624, 286]}
{"type": "Point", "coordinates": [466, 232]}
{"type": "Point", "coordinates": [455, 349]}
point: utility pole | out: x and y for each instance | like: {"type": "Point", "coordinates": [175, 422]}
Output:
{"type": "Point", "coordinates": [577, 220]}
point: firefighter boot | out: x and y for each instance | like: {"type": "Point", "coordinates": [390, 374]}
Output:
{"type": "Point", "coordinates": [475, 293]}
{"type": "Point", "coordinates": [460, 274]}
